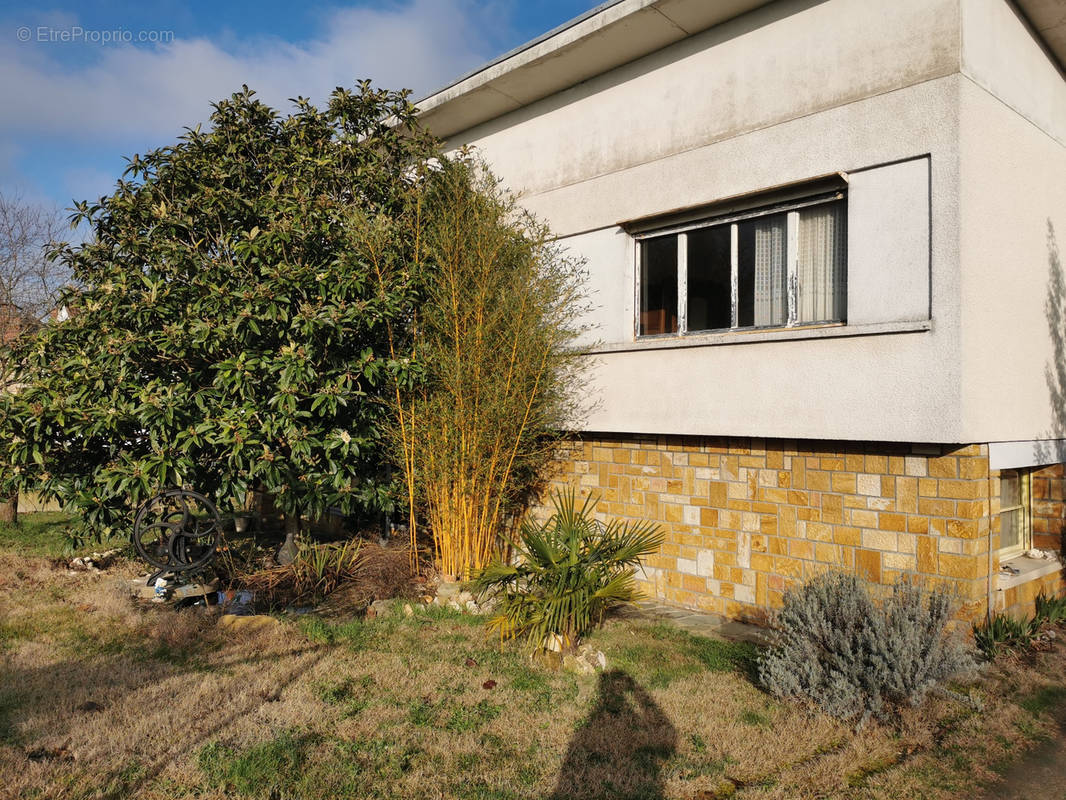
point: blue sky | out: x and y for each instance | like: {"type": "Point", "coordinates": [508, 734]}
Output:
{"type": "Point", "coordinates": [85, 84]}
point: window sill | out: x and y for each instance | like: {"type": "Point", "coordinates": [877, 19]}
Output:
{"type": "Point", "coordinates": [1029, 569]}
{"type": "Point", "coordinates": [831, 331]}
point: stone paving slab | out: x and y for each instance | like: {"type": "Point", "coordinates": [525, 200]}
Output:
{"type": "Point", "coordinates": [702, 624]}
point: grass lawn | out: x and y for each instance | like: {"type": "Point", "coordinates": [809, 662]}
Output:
{"type": "Point", "coordinates": [100, 697]}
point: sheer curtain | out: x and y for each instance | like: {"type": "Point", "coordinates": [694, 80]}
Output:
{"type": "Point", "coordinates": [821, 267]}
{"type": "Point", "coordinates": [771, 273]}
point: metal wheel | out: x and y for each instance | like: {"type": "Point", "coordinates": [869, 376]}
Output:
{"type": "Point", "coordinates": [177, 530]}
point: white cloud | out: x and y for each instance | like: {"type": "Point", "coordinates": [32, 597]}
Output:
{"type": "Point", "coordinates": [151, 93]}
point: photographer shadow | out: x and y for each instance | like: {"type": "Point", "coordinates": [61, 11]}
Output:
{"type": "Point", "coordinates": [620, 748]}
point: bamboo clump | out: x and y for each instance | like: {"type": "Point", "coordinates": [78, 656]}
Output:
{"type": "Point", "coordinates": [494, 337]}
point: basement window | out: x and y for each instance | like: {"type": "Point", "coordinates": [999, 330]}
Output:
{"type": "Point", "coordinates": [1015, 512]}
{"type": "Point", "coordinates": [776, 266]}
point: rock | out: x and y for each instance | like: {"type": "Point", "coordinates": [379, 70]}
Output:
{"type": "Point", "coordinates": [464, 597]}
{"type": "Point", "coordinates": [546, 658]}
{"type": "Point", "coordinates": [572, 663]}
{"type": "Point", "coordinates": [454, 605]}
{"type": "Point", "coordinates": [593, 656]}
{"type": "Point", "coordinates": [407, 610]}
{"type": "Point", "coordinates": [585, 661]}
{"type": "Point", "coordinates": [252, 623]}
{"type": "Point", "coordinates": [378, 608]}
{"type": "Point", "coordinates": [554, 643]}
{"type": "Point", "coordinates": [472, 607]}
{"type": "Point", "coordinates": [447, 590]}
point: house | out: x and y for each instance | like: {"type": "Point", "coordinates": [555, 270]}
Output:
{"type": "Point", "coordinates": [824, 243]}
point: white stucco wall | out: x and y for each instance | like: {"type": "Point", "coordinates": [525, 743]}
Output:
{"type": "Point", "coordinates": [1013, 218]}
{"type": "Point", "coordinates": [786, 93]}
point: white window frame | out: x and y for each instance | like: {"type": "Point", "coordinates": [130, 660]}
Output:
{"type": "Point", "coordinates": [1025, 487]}
{"type": "Point", "coordinates": [791, 209]}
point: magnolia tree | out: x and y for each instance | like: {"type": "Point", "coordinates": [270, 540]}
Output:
{"type": "Point", "coordinates": [228, 330]}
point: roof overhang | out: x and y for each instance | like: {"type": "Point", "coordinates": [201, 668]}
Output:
{"type": "Point", "coordinates": [1048, 20]}
{"type": "Point", "coordinates": [606, 37]}
{"type": "Point", "coordinates": [615, 33]}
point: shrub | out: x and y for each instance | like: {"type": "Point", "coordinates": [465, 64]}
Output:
{"type": "Point", "coordinates": [570, 571]}
{"type": "Point", "coordinates": [834, 646]}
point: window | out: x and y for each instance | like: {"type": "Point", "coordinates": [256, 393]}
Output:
{"type": "Point", "coordinates": [773, 267]}
{"type": "Point", "coordinates": [1015, 513]}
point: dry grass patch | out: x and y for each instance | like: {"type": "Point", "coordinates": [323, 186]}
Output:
{"type": "Point", "coordinates": [101, 697]}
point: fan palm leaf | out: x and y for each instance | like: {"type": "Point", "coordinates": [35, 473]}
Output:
{"type": "Point", "coordinates": [569, 572]}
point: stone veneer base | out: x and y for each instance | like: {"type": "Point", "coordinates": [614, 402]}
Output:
{"type": "Point", "coordinates": [746, 518]}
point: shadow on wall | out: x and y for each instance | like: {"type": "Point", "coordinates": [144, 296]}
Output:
{"type": "Point", "coordinates": [1055, 371]}
{"type": "Point", "coordinates": [1051, 490]}
{"type": "Point", "coordinates": [620, 748]}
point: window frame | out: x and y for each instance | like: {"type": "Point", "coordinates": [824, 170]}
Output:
{"type": "Point", "coordinates": [1025, 505]}
{"type": "Point", "coordinates": [733, 218]}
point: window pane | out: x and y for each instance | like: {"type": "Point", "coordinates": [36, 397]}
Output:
{"type": "Point", "coordinates": [762, 274]}
{"type": "Point", "coordinates": [1010, 528]}
{"type": "Point", "coordinates": [709, 304]}
{"type": "Point", "coordinates": [1010, 490]}
{"type": "Point", "coordinates": [821, 264]}
{"type": "Point", "coordinates": [658, 286]}
{"type": "Point", "coordinates": [1014, 520]}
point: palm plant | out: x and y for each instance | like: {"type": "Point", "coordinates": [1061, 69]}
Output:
{"type": "Point", "coordinates": [569, 572]}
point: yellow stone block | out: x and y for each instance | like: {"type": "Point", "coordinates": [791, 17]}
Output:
{"type": "Point", "coordinates": [832, 508]}
{"type": "Point", "coordinates": [917, 524]}
{"type": "Point", "coordinates": [819, 532]}
{"type": "Point", "coordinates": [873, 539]}
{"type": "Point", "coordinates": [943, 467]}
{"type": "Point", "coordinates": [971, 509]}
{"type": "Point", "coordinates": [847, 535]}
{"type": "Point", "coordinates": [954, 566]}
{"type": "Point", "coordinates": [868, 565]}
{"type": "Point", "coordinates": [962, 528]}
{"type": "Point", "coordinates": [899, 561]}
{"type": "Point", "coordinates": [961, 490]}
{"type": "Point", "coordinates": [762, 562]}
{"type": "Point", "coordinates": [843, 482]}
{"type": "Point", "coordinates": [829, 553]}
{"type": "Point", "coordinates": [893, 522]}
{"type": "Point", "coordinates": [875, 464]}
{"type": "Point", "coordinates": [907, 494]}
{"type": "Point", "coordinates": [936, 507]}
{"type": "Point", "coordinates": [972, 467]}
{"type": "Point", "coordinates": [788, 567]}
{"type": "Point", "coordinates": [863, 519]}
{"type": "Point", "coordinates": [818, 480]}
